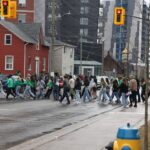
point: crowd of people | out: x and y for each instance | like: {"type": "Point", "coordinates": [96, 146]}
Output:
{"type": "Point", "coordinates": [127, 92]}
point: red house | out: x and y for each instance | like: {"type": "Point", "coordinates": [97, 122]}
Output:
{"type": "Point", "coordinates": [22, 48]}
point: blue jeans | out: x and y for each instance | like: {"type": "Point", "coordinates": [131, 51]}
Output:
{"type": "Point", "coordinates": [116, 94]}
{"type": "Point", "coordinates": [86, 94]}
{"type": "Point", "coordinates": [124, 99]}
{"type": "Point", "coordinates": [18, 88]}
{"type": "Point", "coordinates": [77, 95]}
{"type": "Point", "coordinates": [103, 95]}
{"type": "Point", "coordinates": [28, 91]}
{"type": "Point", "coordinates": [65, 94]}
{"type": "Point", "coordinates": [56, 92]}
{"type": "Point", "coordinates": [40, 93]}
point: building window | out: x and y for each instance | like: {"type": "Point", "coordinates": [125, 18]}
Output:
{"type": "Point", "coordinates": [9, 62]}
{"type": "Point", "coordinates": [84, 32]}
{"type": "Point", "coordinates": [22, 3]}
{"type": "Point", "coordinates": [84, 21]}
{"type": "Point", "coordinates": [44, 64]}
{"type": "Point", "coordinates": [22, 18]}
{"type": "Point", "coordinates": [84, 1]}
{"type": "Point", "coordinates": [8, 39]}
{"type": "Point", "coordinates": [84, 10]}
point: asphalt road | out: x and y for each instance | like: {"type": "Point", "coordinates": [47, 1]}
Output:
{"type": "Point", "coordinates": [21, 121]}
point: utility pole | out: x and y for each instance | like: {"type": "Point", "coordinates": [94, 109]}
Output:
{"type": "Point", "coordinates": [52, 40]}
{"type": "Point", "coordinates": [147, 84]}
{"type": "Point", "coordinates": [81, 54]}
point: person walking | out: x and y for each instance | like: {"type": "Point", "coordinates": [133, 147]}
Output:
{"type": "Point", "coordinates": [27, 91]}
{"type": "Point", "coordinates": [86, 92]}
{"type": "Point", "coordinates": [138, 89]}
{"type": "Point", "coordinates": [102, 94]}
{"type": "Point", "coordinates": [10, 87]}
{"type": "Point", "coordinates": [124, 90]}
{"type": "Point", "coordinates": [133, 89]}
{"type": "Point", "coordinates": [40, 86]}
{"type": "Point", "coordinates": [72, 85]}
{"type": "Point", "coordinates": [49, 88]}
{"type": "Point", "coordinates": [115, 92]}
{"type": "Point", "coordinates": [108, 88]}
{"type": "Point", "coordinates": [143, 89]}
{"type": "Point", "coordinates": [78, 85]}
{"type": "Point", "coordinates": [66, 90]}
{"type": "Point", "coordinates": [56, 87]}
{"type": "Point", "coordinates": [19, 84]}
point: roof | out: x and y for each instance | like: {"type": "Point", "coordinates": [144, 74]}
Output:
{"type": "Point", "coordinates": [32, 30]}
{"type": "Point", "coordinates": [26, 32]}
{"type": "Point", "coordinates": [57, 43]}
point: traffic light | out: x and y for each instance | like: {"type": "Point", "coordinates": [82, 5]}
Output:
{"type": "Point", "coordinates": [119, 16]}
{"type": "Point", "coordinates": [13, 7]}
{"type": "Point", "coordinates": [5, 11]}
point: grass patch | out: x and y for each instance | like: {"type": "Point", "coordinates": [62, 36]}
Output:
{"type": "Point", "coordinates": [142, 137]}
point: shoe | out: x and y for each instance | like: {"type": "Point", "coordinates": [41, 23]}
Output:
{"type": "Point", "coordinates": [130, 105]}
{"type": "Point", "coordinates": [135, 106]}
{"type": "Point", "coordinates": [68, 102]}
{"type": "Point", "coordinates": [60, 101]}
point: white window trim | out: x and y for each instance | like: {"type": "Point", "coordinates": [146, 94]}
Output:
{"type": "Point", "coordinates": [12, 62]}
{"type": "Point", "coordinates": [10, 39]}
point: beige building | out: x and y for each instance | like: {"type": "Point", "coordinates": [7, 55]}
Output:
{"type": "Point", "coordinates": [63, 58]}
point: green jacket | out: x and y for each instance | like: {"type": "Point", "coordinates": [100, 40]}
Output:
{"type": "Point", "coordinates": [10, 83]}
{"type": "Point", "coordinates": [50, 84]}
{"type": "Point", "coordinates": [29, 83]}
{"type": "Point", "coordinates": [19, 83]}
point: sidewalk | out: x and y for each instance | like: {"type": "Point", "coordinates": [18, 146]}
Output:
{"type": "Point", "coordinates": [91, 134]}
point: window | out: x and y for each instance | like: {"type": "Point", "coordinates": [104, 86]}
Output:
{"type": "Point", "coordinates": [84, 21]}
{"type": "Point", "coordinates": [44, 64]}
{"type": "Point", "coordinates": [84, 32]}
{"type": "Point", "coordinates": [84, 10]}
{"type": "Point", "coordinates": [9, 62]}
{"type": "Point", "coordinates": [22, 3]}
{"type": "Point", "coordinates": [8, 39]}
{"type": "Point", "coordinates": [84, 1]}
{"type": "Point", "coordinates": [22, 18]}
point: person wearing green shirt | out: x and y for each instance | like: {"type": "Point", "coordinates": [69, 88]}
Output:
{"type": "Point", "coordinates": [19, 83]}
{"type": "Point", "coordinates": [10, 87]}
{"type": "Point", "coordinates": [27, 91]}
{"type": "Point", "coordinates": [49, 88]}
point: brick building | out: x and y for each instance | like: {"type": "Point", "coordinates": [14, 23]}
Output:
{"type": "Point", "coordinates": [23, 48]}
